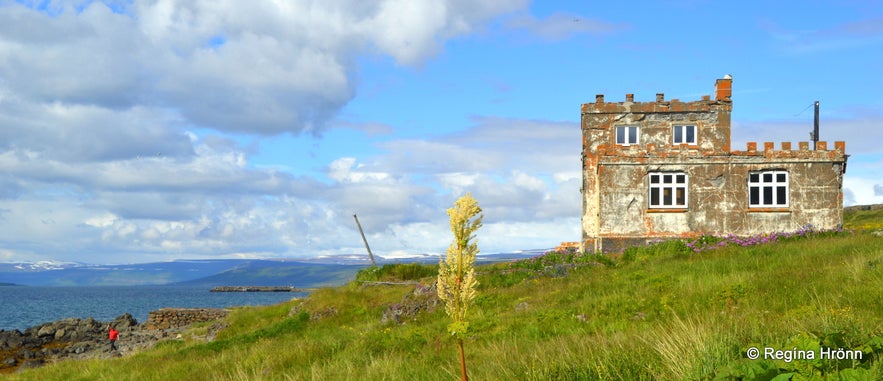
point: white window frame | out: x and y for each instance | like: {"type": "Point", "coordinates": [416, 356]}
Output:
{"type": "Point", "coordinates": [682, 130]}
{"type": "Point", "coordinates": [627, 135]}
{"type": "Point", "coordinates": [663, 190]}
{"type": "Point", "coordinates": [768, 189]}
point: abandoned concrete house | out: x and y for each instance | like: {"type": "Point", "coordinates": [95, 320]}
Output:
{"type": "Point", "coordinates": [665, 169]}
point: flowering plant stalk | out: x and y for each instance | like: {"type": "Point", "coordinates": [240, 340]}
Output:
{"type": "Point", "coordinates": [456, 273]}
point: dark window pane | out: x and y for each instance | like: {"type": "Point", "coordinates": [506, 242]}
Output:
{"type": "Point", "coordinates": [780, 177]}
{"type": "Point", "coordinates": [654, 196]}
{"type": "Point", "coordinates": [754, 178]}
{"type": "Point", "coordinates": [781, 195]}
{"type": "Point", "coordinates": [620, 135]}
{"type": "Point", "coordinates": [691, 134]}
{"type": "Point", "coordinates": [633, 135]}
{"type": "Point", "coordinates": [767, 195]}
{"type": "Point", "coordinates": [679, 136]}
{"type": "Point", "coordinates": [654, 179]}
{"type": "Point", "coordinates": [754, 195]}
{"type": "Point", "coordinates": [666, 179]}
{"type": "Point", "coordinates": [681, 179]}
{"type": "Point", "coordinates": [666, 196]}
{"type": "Point", "coordinates": [680, 196]}
{"type": "Point", "coordinates": [767, 177]}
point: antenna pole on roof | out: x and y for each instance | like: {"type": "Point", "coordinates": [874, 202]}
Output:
{"type": "Point", "coordinates": [815, 129]}
{"type": "Point", "coordinates": [370, 255]}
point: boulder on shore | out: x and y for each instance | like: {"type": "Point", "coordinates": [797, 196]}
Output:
{"type": "Point", "coordinates": [69, 338]}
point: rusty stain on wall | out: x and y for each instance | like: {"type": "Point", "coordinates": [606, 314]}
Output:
{"type": "Point", "coordinates": [617, 207]}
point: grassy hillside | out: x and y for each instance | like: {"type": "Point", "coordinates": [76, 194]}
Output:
{"type": "Point", "coordinates": [864, 217]}
{"type": "Point", "coordinates": [663, 312]}
{"type": "Point", "coordinates": [273, 273]}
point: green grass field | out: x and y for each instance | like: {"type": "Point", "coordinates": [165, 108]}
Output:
{"type": "Point", "coordinates": [662, 312]}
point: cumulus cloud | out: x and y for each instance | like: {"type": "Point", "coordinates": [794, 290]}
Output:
{"type": "Point", "coordinates": [254, 67]}
{"type": "Point", "coordinates": [848, 197]}
{"type": "Point", "coordinates": [117, 126]}
{"type": "Point", "coordinates": [860, 190]}
{"type": "Point", "coordinates": [431, 173]}
{"type": "Point", "coordinates": [85, 133]}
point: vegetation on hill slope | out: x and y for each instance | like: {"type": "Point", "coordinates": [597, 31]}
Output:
{"type": "Point", "coordinates": [662, 312]}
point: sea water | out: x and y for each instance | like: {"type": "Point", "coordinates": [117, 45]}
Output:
{"type": "Point", "coordinates": [25, 306]}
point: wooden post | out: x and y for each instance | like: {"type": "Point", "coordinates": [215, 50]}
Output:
{"type": "Point", "coordinates": [370, 255]}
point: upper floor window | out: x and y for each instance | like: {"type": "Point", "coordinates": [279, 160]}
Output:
{"type": "Point", "coordinates": [684, 134]}
{"type": "Point", "coordinates": [768, 189]}
{"type": "Point", "coordinates": [626, 135]}
{"type": "Point", "coordinates": [668, 190]}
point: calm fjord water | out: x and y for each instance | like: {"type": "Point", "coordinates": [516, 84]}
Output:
{"type": "Point", "coordinates": [23, 306]}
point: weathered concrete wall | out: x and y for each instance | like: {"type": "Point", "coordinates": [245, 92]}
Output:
{"type": "Point", "coordinates": [166, 318]}
{"type": "Point", "coordinates": [616, 211]}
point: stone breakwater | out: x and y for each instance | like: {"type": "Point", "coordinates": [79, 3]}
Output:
{"type": "Point", "coordinates": [258, 289]}
{"type": "Point", "coordinates": [76, 338]}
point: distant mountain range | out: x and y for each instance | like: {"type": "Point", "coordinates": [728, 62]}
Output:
{"type": "Point", "coordinates": [312, 272]}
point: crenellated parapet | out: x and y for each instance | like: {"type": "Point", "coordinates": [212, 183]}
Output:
{"type": "Point", "coordinates": [723, 91]}
{"type": "Point", "coordinates": [659, 106]}
{"type": "Point", "coordinates": [787, 150]}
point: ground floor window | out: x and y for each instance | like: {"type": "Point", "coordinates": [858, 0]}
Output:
{"type": "Point", "coordinates": [668, 190]}
{"type": "Point", "coordinates": [768, 189]}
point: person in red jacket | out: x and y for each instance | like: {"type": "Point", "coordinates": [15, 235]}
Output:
{"type": "Point", "coordinates": [113, 335]}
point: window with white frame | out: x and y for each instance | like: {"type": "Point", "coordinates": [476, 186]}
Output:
{"type": "Point", "coordinates": [626, 135]}
{"type": "Point", "coordinates": [668, 190]}
{"type": "Point", "coordinates": [684, 134]}
{"type": "Point", "coordinates": [768, 189]}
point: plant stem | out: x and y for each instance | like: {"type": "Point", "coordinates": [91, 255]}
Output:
{"type": "Point", "coordinates": [463, 376]}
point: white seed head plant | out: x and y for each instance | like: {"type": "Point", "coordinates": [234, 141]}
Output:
{"type": "Point", "coordinates": [456, 273]}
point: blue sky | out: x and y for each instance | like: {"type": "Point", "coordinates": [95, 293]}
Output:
{"type": "Point", "coordinates": [137, 131]}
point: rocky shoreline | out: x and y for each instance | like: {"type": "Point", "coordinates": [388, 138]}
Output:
{"type": "Point", "coordinates": [75, 338]}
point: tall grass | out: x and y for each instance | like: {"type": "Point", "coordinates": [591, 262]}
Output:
{"type": "Point", "coordinates": [658, 313]}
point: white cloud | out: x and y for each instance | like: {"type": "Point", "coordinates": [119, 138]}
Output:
{"type": "Point", "coordinates": [100, 221]}
{"type": "Point", "coordinates": [560, 26]}
{"type": "Point", "coordinates": [526, 181]}
{"type": "Point", "coordinates": [254, 67]}
{"type": "Point", "coordinates": [347, 171]}
{"type": "Point", "coordinates": [863, 191]}
{"type": "Point", "coordinates": [457, 182]}
{"type": "Point", "coordinates": [118, 120]}
{"type": "Point", "coordinates": [518, 171]}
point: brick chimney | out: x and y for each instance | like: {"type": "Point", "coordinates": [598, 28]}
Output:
{"type": "Point", "coordinates": [723, 88]}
